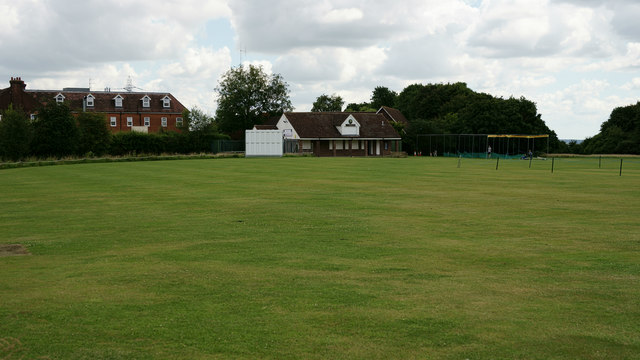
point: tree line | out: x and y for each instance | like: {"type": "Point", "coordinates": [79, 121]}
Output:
{"type": "Point", "coordinates": [248, 96]}
{"type": "Point", "coordinates": [56, 133]}
{"type": "Point", "coordinates": [618, 135]}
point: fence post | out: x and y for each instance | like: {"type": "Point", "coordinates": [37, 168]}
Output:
{"type": "Point", "coordinates": [620, 167]}
{"type": "Point", "coordinates": [497, 162]}
{"type": "Point", "coordinates": [600, 162]}
{"type": "Point", "coordinates": [530, 160]}
{"type": "Point", "coordinates": [459, 157]}
{"type": "Point", "coordinates": [552, 163]}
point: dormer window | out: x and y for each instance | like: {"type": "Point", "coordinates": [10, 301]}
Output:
{"type": "Point", "coordinates": [349, 127]}
{"type": "Point", "coordinates": [90, 99]}
{"type": "Point", "coordinates": [118, 100]}
{"type": "Point", "coordinates": [146, 101]}
{"type": "Point", "coordinates": [166, 102]}
{"type": "Point", "coordinates": [59, 98]}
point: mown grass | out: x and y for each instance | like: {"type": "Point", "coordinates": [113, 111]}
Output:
{"type": "Point", "coordinates": [322, 258]}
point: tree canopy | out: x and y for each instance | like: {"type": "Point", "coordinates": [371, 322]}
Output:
{"type": "Point", "coordinates": [456, 109]}
{"type": "Point", "coordinates": [15, 134]}
{"type": "Point", "coordinates": [618, 135]}
{"type": "Point", "coordinates": [54, 131]}
{"type": "Point", "coordinates": [247, 96]}
{"type": "Point", "coordinates": [95, 137]}
{"type": "Point", "coordinates": [328, 103]}
{"type": "Point", "coordinates": [382, 96]}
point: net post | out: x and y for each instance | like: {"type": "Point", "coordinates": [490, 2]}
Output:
{"type": "Point", "coordinates": [552, 163]}
{"type": "Point", "coordinates": [620, 167]}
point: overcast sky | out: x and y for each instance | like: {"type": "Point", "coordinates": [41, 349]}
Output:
{"type": "Point", "coordinates": [576, 59]}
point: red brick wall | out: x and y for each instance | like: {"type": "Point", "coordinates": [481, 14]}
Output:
{"type": "Point", "coordinates": [138, 120]}
{"type": "Point", "coordinates": [321, 148]}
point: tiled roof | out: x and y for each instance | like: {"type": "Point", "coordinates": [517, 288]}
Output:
{"type": "Point", "coordinates": [104, 101]}
{"type": "Point", "coordinates": [17, 97]}
{"type": "Point", "coordinates": [324, 124]}
{"type": "Point", "coordinates": [393, 114]}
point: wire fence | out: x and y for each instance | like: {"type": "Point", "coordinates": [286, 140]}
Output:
{"type": "Point", "coordinates": [612, 164]}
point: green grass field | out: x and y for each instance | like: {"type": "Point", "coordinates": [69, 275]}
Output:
{"type": "Point", "coordinates": [315, 258]}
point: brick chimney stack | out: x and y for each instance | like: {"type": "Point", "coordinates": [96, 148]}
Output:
{"type": "Point", "coordinates": [17, 89]}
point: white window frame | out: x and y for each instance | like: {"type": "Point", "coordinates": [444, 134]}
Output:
{"type": "Point", "coordinates": [59, 98]}
{"type": "Point", "coordinates": [163, 121]}
{"type": "Point", "coordinates": [90, 100]}
{"type": "Point", "coordinates": [179, 122]}
{"type": "Point", "coordinates": [147, 121]}
{"type": "Point", "coordinates": [146, 101]}
{"type": "Point", "coordinates": [113, 121]}
{"type": "Point", "coordinates": [118, 100]}
{"type": "Point", "coordinates": [166, 102]}
{"type": "Point", "coordinates": [33, 116]}
{"type": "Point", "coordinates": [129, 121]}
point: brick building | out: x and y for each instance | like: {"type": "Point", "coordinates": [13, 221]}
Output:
{"type": "Point", "coordinates": [124, 110]}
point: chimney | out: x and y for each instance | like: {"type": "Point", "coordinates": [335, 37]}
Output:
{"type": "Point", "coordinates": [17, 89]}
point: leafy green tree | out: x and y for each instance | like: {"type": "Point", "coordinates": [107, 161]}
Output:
{"type": "Point", "coordinates": [201, 130]}
{"type": "Point", "coordinates": [15, 134]}
{"type": "Point", "coordinates": [618, 135]}
{"type": "Point", "coordinates": [197, 120]}
{"type": "Point", "coordinates": [54, 131]}
{"type": "Point", "coordinates": [382, 96]}
{"type": "Point", "coordinates": [360, 107]}
{"type": "Point", "coordinates": [456, 109]}
{"type": "Point", "coordinates": [95, 136]}
{"type": "Point", "coordinates": [247, 96]}
{"type": "Point", "coordinates": [328, 103]}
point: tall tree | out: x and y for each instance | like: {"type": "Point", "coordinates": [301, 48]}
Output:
{"type": "Point", "coordinates": [15, 134]}
{"type": "Point", "coordinates": [382, 96]}
{"type": "Point", "coordinates": [325, 102]}
{"type": "Point", "coordinates": [247, 96]}
{"type": "Point", "coordinates": [95, 136]}
{"type": "Point", "coordinates": [618, 135]}
{"type": "Point", "coordinates": [197, 120]}
{"type": "Point", "coordinates": [54, 131]}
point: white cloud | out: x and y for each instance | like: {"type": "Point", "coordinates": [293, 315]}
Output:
{"type": "Point", "coordinates": [341, 15]}
{"type": "Point", "coordinates": [66, 34]}
{"type": "Point", "coordinates": [553, 52]}
{"type": "Point", "coordinates": [634, 84]}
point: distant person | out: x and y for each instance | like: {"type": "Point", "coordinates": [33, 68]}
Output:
{"type": "Point", "coordinates": [489, 152]}
{"type": "Point", "coordinates": [530, 153]}
{"type": "Point", "coordinates": [435, 152]}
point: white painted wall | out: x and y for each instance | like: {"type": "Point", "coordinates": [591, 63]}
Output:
{"type": "Point", "coordinates": [286, 129]}
{"type": "Point", "coordinates": [263, 143]}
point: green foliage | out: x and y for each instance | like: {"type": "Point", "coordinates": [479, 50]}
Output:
{"type": "Point", "coordinates": [360, 107]}
{"type": "Point", "coordinates": [128, 143]}
{"type": "Point", "coordinates": [95, 137]}
{"type": "Point", "coordinates": [248, 96]}
{"type": "Point", "coordinates": [618, 135]}
{"type": "Point", "coordinates": [15, 135]}
{"type": "Point", "coordinates": [382, 96]}
{"type": "Point", "coordinates": [55, 133]}
{"type": "Point", "coordinates": [328, 103]}
{"type": "Point", "coordinates": [197, 120]}
{"type": "Point", "coordinates": [201, 130]}
{"type": "Point", "coordinates": [456, 109]}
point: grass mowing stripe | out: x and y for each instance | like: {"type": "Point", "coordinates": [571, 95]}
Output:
{"type": "Point", "coordinates": [321, 258]}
